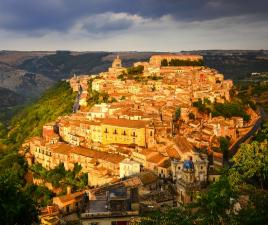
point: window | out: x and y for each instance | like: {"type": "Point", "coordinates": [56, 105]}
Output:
{"type": "Point", "coordinates": [124, 133]}
{"type": "Point", "coordinates": [115, 131]}
{"type": "Point", "coordinates": [134, 134]}
{"type": "Point", "coordinates": [106, 130]}
{"type": "Point", "coordinates": [151, 133]}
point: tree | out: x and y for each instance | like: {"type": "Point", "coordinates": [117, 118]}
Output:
{"type": "Point", "coordinates": [191, 116]}
{"type": "Point", "coordinates": [172, 216]}
{"type": "Point", "coordinates": [213, 207]}
{"type": "Point", "coordinates": [164, 62]}
{"type": "Point", "coordinates": [251, 163]}
{"type": "Point", "coordinates": [262, 134]}
{"type": "Point", "coordinates": [224, 146]}
{"type": "Point", "coordinates": [177, 113]}
{"type": "Point", "coordinates": [256, 210]}
{"type": "Point", "coordinates": [135, 70]}
{"type": "Point", "coordinates": [16, 207]}
{"type": "Point", "coordinates": [3, 130]}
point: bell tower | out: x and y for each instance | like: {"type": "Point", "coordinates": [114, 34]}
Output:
{"type": "Point", "coordinates": [117, 63]}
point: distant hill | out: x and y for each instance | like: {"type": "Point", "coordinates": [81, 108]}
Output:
{"type": "Point", "coordinates": [30, 73]}
{"type": "Point", "coordinates": [9, 98]}
{"type": "Point", "coordinates": [235, 64]}
{"type": "Point", "coordinates": [9, 102]}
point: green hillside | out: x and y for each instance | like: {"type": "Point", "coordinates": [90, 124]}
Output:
{"type": "Point", "coordinates": [18, 198]}
{"type": "Point", "coordinates": [55, 102]}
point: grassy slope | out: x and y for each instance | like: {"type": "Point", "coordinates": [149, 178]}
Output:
{"type": "Point", "coordinates": [55, 102]}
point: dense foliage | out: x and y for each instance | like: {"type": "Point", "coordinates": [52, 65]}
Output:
{"type": "Point", "coordinates": [95, 97]}
{"type": "Point", "coordinates": [59, 177]}
{"type": "Point", "coordinates": [135, 70]}
{"type": "Point", "coordinates": [177, 113]}
{"type": "Point", "coordinates": [15, 201]}
{"type": "Point", "coordinates": [227, 109]}
{"type": "Point", "coordinates": [56, 102]}
{"type": "Point", "coordinates": [230, 109]}
{"type": "Point", "coordinates": [132, 73]}
{"type": "Point", "coordinates": [179, 62]}
{"type": "Point", "coordinates": [17, 198]}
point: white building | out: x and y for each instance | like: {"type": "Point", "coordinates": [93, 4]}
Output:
{"type": "Point", "coordinates": [98, 111]}
{"type": "Point", "coordinates": [98, 84]}
{"type": "Point", "coordinates": [128, 167]}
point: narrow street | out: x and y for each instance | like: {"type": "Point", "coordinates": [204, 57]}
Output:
{"type": "Point", "coordinates": [76, 103]}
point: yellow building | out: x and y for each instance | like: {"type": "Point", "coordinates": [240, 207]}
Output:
{"type": "Point", "coordinates": [122, 131]}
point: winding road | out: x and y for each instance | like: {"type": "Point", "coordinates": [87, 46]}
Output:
{"type": "Point", "coordinates": [255, 128]}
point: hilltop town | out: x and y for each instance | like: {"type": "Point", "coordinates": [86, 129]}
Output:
{"type": "Point", "coordinates": [146, 136]}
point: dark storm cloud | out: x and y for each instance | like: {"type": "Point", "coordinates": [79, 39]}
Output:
{"type": "Point", "coordinates": [60, 15]}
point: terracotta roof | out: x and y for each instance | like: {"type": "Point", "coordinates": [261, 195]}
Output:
{"type": "Point", "coordinates": [113, 158]}
{"type": "Point", "coordinates": [147, 152]}
{"type": "Point", "coordinates": [182, 144]}
{"type": "Point", "coordinates": [172, 152]}
{"type": "Point", "coordinates": [147, 177]}
{"type": "Point", "coordinates": [71, 197]}
{"type": "Point", "coordinates": [157, 159]}
{"type": "Point", "coordinates": [165, 164]}
{"type": "Point", "coordinates": [61, 148]}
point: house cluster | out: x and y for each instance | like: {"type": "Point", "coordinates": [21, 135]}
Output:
{"type": "Point", "coordinates": [151, 125]}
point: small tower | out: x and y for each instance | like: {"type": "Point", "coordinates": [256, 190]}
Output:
{"type": "Point", "coordinates": [117, 63]}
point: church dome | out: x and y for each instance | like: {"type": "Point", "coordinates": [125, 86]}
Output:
{"type": "Point", "coordinates": [188, 164]}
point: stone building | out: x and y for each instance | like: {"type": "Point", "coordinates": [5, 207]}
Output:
{"type": "Point", "coordinates": [156, 59]}
{"type": "Point", "coordinates": [128, 167]}
{"type": "Point", "coordinates": [190, 175]}
{"type": "Point", "coordinates": [116, 68]}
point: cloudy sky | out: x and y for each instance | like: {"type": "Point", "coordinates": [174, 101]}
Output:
{"type": "Point", "coordinates": [142, 25]}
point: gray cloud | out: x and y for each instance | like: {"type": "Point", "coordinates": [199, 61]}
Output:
{"type": "Point", "coordinates": [153, 24]}
{"type": "Point", "coordinates": [109, 22]}
{"type": "Point", "coordinates": [27, 15]}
